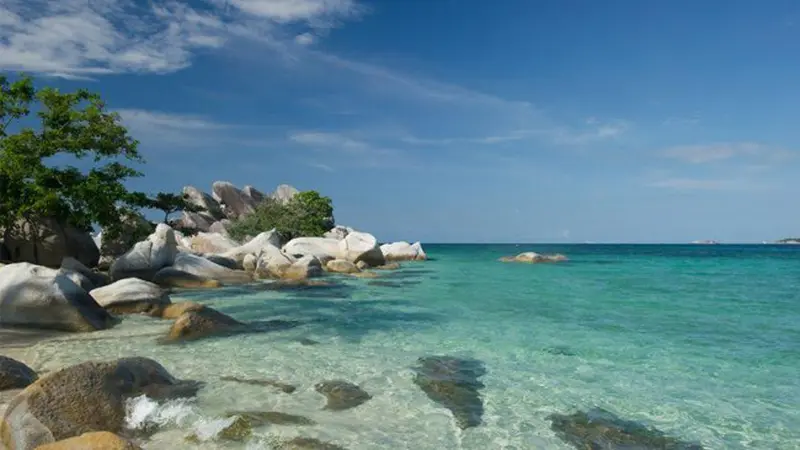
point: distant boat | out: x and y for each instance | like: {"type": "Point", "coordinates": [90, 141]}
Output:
{"type": "Point", "coordinates": [706, 242]}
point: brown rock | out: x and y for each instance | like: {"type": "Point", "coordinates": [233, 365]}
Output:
{"type": "Point", "coordinates": [285, 388]}
{"type": "Point", "coordinates": [342, 395]}
{"type": "Point", "coordinates": [173, 278]}
{"type": "Point", "coordinates": [100, 440]}
{"type": "Point", "coordinates": [304, 443]}
{"type": "Point", "coordinates": [175, 310]}
{"type": "Point", "coordinates": [200, 323]}
{"type": "Point", "coordinates": [341, 266]}
{"type": "Point", "coordinates": [14, 374]}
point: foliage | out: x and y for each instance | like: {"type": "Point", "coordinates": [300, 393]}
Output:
{"type": "Point", "coordinates": [306, 214]}
{"type": "Point", "coordinates": [171, 203]}
{"type": "Point", "coordinates": [73, 125]}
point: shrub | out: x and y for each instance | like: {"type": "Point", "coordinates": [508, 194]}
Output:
{"type": "Point", "coordinates": [306, 214]}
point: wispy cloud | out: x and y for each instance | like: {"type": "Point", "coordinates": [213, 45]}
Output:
{"type": "Point", "coordinates": [78, 38]}
{"type": "Point", "coordinates": [717, 152]}
{"type": "Point", "coordinates": [170, 128]}
{"type": "Point", "coordinates": [320, 140]}
{"type": "Point", "coordinates": [321, 166]}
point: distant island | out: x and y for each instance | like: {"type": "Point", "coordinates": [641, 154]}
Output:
{"type": "Point", "coordinates": [788, 241]}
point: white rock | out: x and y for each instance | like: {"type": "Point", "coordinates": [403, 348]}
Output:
{"type": "Point", "coordinates": [250, 262]}
{"type": "Point", "coordinates": [38, 297]}
{"type": "Point", "coordinates": [322, 248]}
{"type": "Point", "coordinates": [202, 267]}
{"type": "Point", "coordinates": [254, 246]}
{"type": "Point", "coordinates": [341, 266]}
{"type": "Point", "coordinates": [359, 246]}
{"type": "Point", "coordinates": [306, 267]}
{"type": "Point", "coordinates": [253, 194]}
{"type": "Point", "coordinates": [212, 243]}
{"type": "Point", "coordinates": [403, 251]}
{"type": "Point", "coordinates": [272, 262]}
{"type": "Point", "coordinates": [147, 257]}
{"type": "Point", "coordinates": [236, 203]}
{"type": "Point", "coordinates": [97, 279]}
{"type": "Point", "coordinates": [284, 193]}
{"type": "Point", "coordinates": [338, 232]}
{"type": "Point", "coordinates": [129, 291]}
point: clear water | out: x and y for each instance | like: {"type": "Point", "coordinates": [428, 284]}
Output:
{"type": "Point", "coordinates": [702, 342]}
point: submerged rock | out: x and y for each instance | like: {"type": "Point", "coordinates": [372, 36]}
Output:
{"type": "Point", "coordinates": [169, 277]}
{"type": "Point", "coordinates": [84, 398]}
{"type": "Point", "coordinates": [341, 266]}
{"type": "Point", "coordinates": [598, 429]}
{"type": "Point", "coordinates": [14, 374]}
{"type": "Point", "coordinates": [260, 418]}
{"type": "Point", "coordinates": [200, 323]}
{"type": "Point", "coordinates": [101, 440]}
{"type": "Point", "coordinates": [342, 395]}
{"type": "Point", "coordinates": [453, 383]}
{"type": "Point", "coordinates": [304, 443]}
{"type": "Point", "coordinates": [284, 387]}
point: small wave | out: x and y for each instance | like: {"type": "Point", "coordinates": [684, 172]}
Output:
{"type": "Point", "coordinates": [145, 414]}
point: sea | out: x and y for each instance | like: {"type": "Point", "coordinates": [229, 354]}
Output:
{"type": "Point", "coordinates": [701, 342]}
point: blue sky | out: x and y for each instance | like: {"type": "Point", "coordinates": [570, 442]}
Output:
{"type": "Point", "coordinates": [448, 120]}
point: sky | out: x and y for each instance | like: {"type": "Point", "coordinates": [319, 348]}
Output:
{"type": "Point", "coordinates": [453, 120]}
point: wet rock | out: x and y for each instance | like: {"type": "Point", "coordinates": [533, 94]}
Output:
{"type": "Point", "coordinates": [533, 257]}
{"type": "Point", "coordinates": [304, 443]}
{"type": "Point", "coordinates": [96, 278]}
{"type": "Point", "coordinates": [599, 429]}
{"type": "Point", "coordinates": [364, 274]}
{"type": "Point", "coordinates": [169, 277]}
{"type": "Point", "coordinates": [175, 310]}
{"type": "Point", "coordinates": [261, 418]}
{"type": "Point", "coordinates": [84, 398]}
{"type": "Point", "coordinates": [342, 395]}
{"type": "Point", "coordinates": [453, 383]}
{"type": "Point", "coordinates": [204, 268]}
{"type": "Point", "coordinates": [359, 246]}
{"type": "Point", "coordinates": [239, 430]}
{"type": "Point", "coordinates": [341, 266]}
{"type": "Point", "coordinates": [298, 285]}
{"type": "Point", "coordinates": [403, 251]}
{"type": "Point", "coordinates": [388, 266]}
{"type": "Point", "coordinates": [559, 350]}
{"type": "Point", "coordinates": [100, 440]}
{"type": "Point", "coordinates": [200, 323]}
{"type": "Point", "coordinates": [382, 283]}
{"type": "Point", "coordinates": [284, 387]}
{"type": "Point", "coordinates": [304, 268]}
{"type": "Point", "coordinates": [14, 374]}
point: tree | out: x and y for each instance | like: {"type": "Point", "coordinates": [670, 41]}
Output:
{"type": "Point", "coordinates": [172, 203]}
{"type": "Point", "coordinates": [66, 126]}
{"type": "Point", "coordinates": [306, 214]}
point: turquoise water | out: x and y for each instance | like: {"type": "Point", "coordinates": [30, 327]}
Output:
{"type": "Point", "coordinates": [702, 342]}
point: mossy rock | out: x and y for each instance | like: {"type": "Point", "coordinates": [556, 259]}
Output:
{"type": "Point", "coordinates": [342, 395]}
{"type": "Point", "coordinates": [453, 383]}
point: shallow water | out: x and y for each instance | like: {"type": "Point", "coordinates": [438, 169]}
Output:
{"type": "Point", "coordinates": [701, 342]}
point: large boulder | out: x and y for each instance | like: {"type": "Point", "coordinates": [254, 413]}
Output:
{"type": "Point", "coordinates": [304, 268]}
{"type": "Point", "coordinates": [195, 221]}
{"type": "Point", "coordinates": [253, 194]}
{"type": "Point", "coordinates": [272, 262]}
{"type": "Point", "coordinates": [235, 203]}
{"type": "Point", "coordinates": [322, 248]}
{"type": "Point", "coordinates": [49, 243]}
{"type": "Point", "coordinates": [98, 440]}
{"type": "Point", "coordinates": [147, 257]}
{"type": "Point", "coordinates": [14, 374]}
{"type": "Point", "coordinates": [220, 226]}
{"type": "Point", "coordinates": [84, 398]}
{"type": "Point", "coordinates": [338, 232]}
{"type": "Point", "coordinates": [403, 251]}
{"type": "Point", "coordinates": [131, 296]}
{"type": "Point", "coordinates": [38, 297]}
{"type": "Point", "coordinates": [4, 254]}
{"type": "Point", "coordinates": [254, 246]}
{"type": "Point", "coordinates": [79, 279]}
{"type": "Point", "coordinates": [212, 243]}
{"type": "Point", "coordinates": [202, 267]}
{"type": "Point", "coordinates": [208, 206]}
{"type": "Point", "coordinates": [97, 279]}
{"type": "Point", "coordinates": [284, 193]}
{"type": "Point", "coordinates": [359, 246]}
{"type": "Point", "coordinates": [200, 323]}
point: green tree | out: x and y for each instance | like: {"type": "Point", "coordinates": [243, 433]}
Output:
{"type": "Point", "coordinates": [306, 214]}
{"type": "Point", "coordinates": [65, 126]}
{"type": "Point", "coordinates": [171, 203]}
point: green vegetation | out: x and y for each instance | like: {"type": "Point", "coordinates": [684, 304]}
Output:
{"type": "Point", "coordinates": [70, 126]}
{"type": "Point", "coordinates": [43, 131]}
{"type": "Point", "coordinates": [170, 204]}
{"type": "Point", "coordinates": [306, 214]}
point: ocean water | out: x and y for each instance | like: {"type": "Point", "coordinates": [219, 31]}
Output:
{"type": "Point", "coordinates": [701, 342]}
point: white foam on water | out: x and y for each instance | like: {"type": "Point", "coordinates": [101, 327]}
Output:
{"type": "Point", "coordinates": [143, 412]}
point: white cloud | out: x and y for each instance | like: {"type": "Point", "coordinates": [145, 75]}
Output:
{"type": "Point", "coordinates": [321, 140]}
{"type": "Point", "coordinates": [79, 38]}
{"type": "Point", "coordinates": [321, 166]}
{"type": "Point", "coordinates": [173, 129]}
{"type": "Point", "coordinates": [710, 153]}
{"type": "Point", "coordinates": [305, 38]}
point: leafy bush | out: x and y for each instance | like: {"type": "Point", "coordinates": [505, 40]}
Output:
{"type": "Point", "coordinates": [306, 214]}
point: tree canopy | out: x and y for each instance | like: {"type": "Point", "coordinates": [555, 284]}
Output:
{"type": "Point", "coordinates": [307, 214]}
{"type": "Point", "coordinates": [49, 126]}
